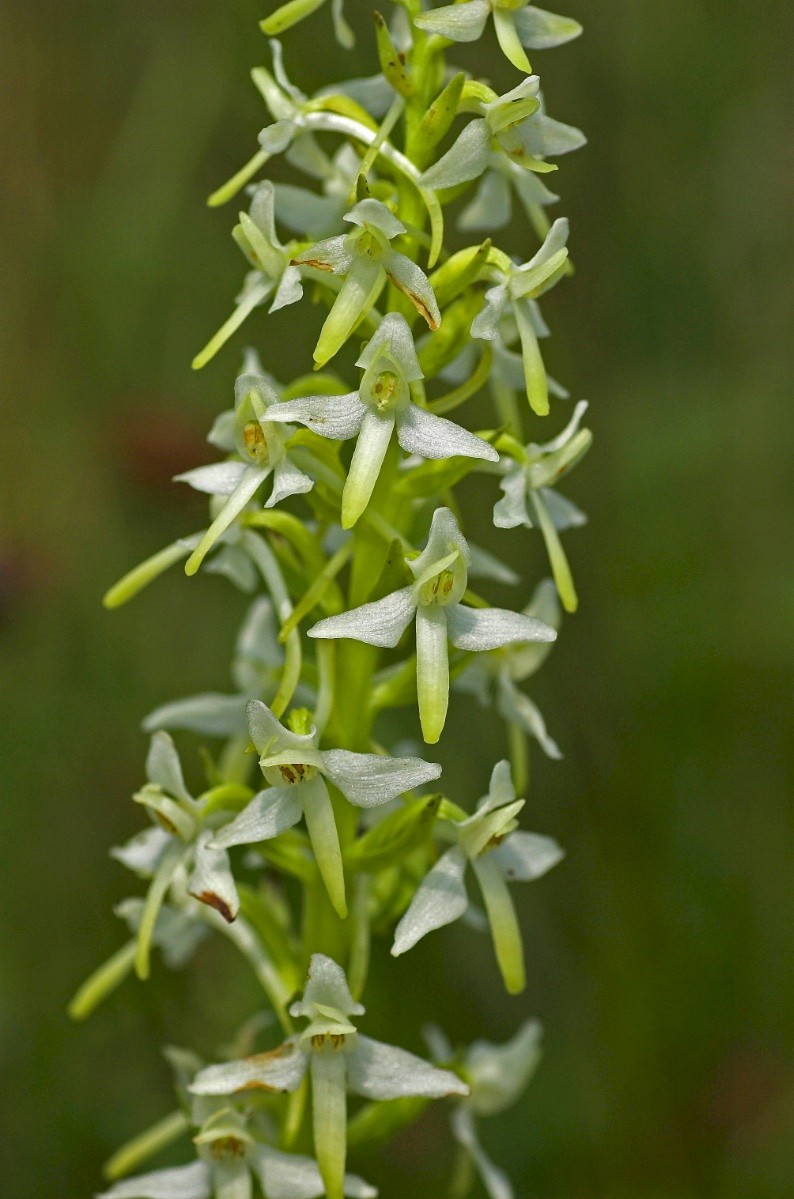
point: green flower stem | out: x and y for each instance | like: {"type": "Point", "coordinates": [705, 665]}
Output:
{"type": "Point", "coordinates": [145, 1145]}
{"type": "Point", "coordinates": [315, 592]}
{"type": "Point", "coordinates": [479, 377]}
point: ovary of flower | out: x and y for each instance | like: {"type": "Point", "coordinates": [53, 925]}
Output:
{"type": "Point", "coordinates": [512, 127]}
{"type": "Point", "coordinates": [365, 259]}
{"type": "Point", "coordinates": [522, 284]}
{"type": "Point", "coordinates": [530, 500]}
{"type": "Point", "coordinates": [502, 669]}
{"type": "Point", "coordinates": [433, 601]}
{"type": "Point", "coordinates": [381, 405]}
{"type": "Point", "coordinates": [338, 1059]}
{"type": "Point", "coordinates": [516, 22]}
{"type": "Point", "coordinates": [489, 842]}
{"type": "Point", "coordinates": [260, 447]}
{"type": "Point", "coordinates": [296, 770]}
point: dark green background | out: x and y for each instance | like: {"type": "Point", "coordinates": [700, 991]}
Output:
{"type": "Point", "coordinates": [661, 954]}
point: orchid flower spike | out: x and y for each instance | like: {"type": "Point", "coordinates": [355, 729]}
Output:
{"type": "Point", "coordinates": [517, 24]}
{"type": "Point", "coordinates": [365, 259]}
{"type": "Point", "coordinates": [259, 446]}
{"type": "Point", "coordinates": [338, 1059]}
{"type": "Point", "coordinates": [499, 671]}
{"type": "Point", "coordinates": [433, 601]}
{"type": "Point", "coordinates": [296, 770]}
{"type": "Point", "coordinates": [529, 499]}
{"type": "Point", "coordinates": [381, 405]}
{"type": "Point", "coordinates": [489, 842]}
{"type": "Point", "coordinates": [522, 285]}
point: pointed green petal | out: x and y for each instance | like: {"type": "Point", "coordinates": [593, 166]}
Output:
{"type": "Point", "coordinates": [351, 304]}
{"type": "Point", "coordinates": [373, 441]}
{"type": "Point", "coordinates": [505, 26]}
{"type": "Point", "coordinates": [432, 671]}
{"type": "Point", "coordinates": [329, 1116]}
{"type": "Point", "coordinates": [321, 825]}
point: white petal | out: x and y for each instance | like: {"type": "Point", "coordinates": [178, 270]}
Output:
{"type": "Point", "coordinates": [544, 137]}
{"type": "Point", "coordinates": [444, 536]}
{"type": "Point", "coordinates": [500, 788]}
{"type": "Point", "coordinates": [278, 1070]}
{"type": "Point", "coordinates": [458, 22]}
{"type": "Point", "coordinates": [500, 1073]}
{"type": "Point", "coordinates": [420, 432]}
{"type": "Point", "coordinates": [142, 853]}
{"type": "Point", "coordinates": [164, 768]}
{"type": "Point", "coordinates": [413, 282]}
{"type": "Point", "coordinates": [511, 510]}
{"type": "Point", "coordinates": [541, 30]}
{"type": "Point", "coordinates": [527, 856]}
{"type": "Point", "coordinates": [337, 417]}
{"type": "Point", "coordinates": [368, 780]}
{"type": "Point", "coordinates": [440, 899]}
{"type": "Point", "coordinates": [332, 254]}
{"type": "Point", "coordinates": [271, 737]}
{"type": "Point", "coordinates": [211, 714]}
{"type": "Point", "coordinates": [258, 637]}
{"type": "Point", "coordinates": [181, 1182]}
{"type": "Point", "coordinates": [221, 434]}
{"type": "Point", "coordinates": [563, 513]}
{"type": "Point", "coordinates": [288, 480]}
{"type": "Point", "coordinates": [487, 566]}
{"type": "Point", "coordinates": [495, 1181]}
{"type": "Point", "coordinates": [490, 628]}
{"type": "Point", "coordinates": [326, 985]}
{"type": "Point", "coordinates": [269, 813]}
{"type": "Point", "coordinates": [393, 336]}
{"type": "Point", "coordinates": [276, 137]}
{"type": "Point", "coordinates": [379, 1071]}
{"type": "Point", "coordinates": [306, 213]}
{"type": "Point", "coordinates": [289, 290]}
{"type": "Point", "coordinates": [562, 439]}
{"type": "Point", "coordinates": [520, 710]}
{"type": "Point", "coordinates": [486, 323]}
{"type": "Point", "coordinates": [491, 207]}
{"type": "Point", "coordinates": [234, 564]}
{"type": "Point", "coordinates": [466, 158]}
{"type": "Point", "coordinates": [212, 881]}
{"type": "Point", "coordinates": [220, 478]}
{"type": "Point", "coordinates": [381, 623]}
{"type": "Point", "coordinates": [375, 213]}
{"type": "Point", "coordinates": [293, 1176]}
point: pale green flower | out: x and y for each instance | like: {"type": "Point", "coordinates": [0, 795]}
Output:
{"type": "Point", "coordinates": [493, 677]}
{"type": "Point", "coordinates": [529, 499]}
{"type": "Point", "coordinates": [498, 852]}
{"type": "Point", "coordinates": [338, 1059]}
{"type": "Point", "coordinates": [497, 1076]}
{"type": "Point", "coordinates": [381, 406]}
{"type": "Point", "coordinates": [365, 259]}
{"type": "Point", "coordinates": [296, 770]}
{"type": "Point", "coordinates": [517, 24]}
{"type": "Point", "coordinates": [521, 285]}
{"type": "Point", "coordinates": [434, 602]}
{"type": "Point", "coordinates": [259, 448]}
{"type": "Point", "coordinates": [516, 125]}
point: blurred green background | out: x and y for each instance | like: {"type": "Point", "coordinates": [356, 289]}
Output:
{"type": "Point", "coordinates": [661, 954]}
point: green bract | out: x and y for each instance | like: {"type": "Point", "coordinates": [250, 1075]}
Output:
{"type": "Point", "coordinates": [338, 505]}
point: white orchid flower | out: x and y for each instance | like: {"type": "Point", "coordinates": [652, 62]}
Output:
{"type": "Point", "coordinates": [229, 1153]}
{"type": "Point", "coordinates": [497, 1075]}
{"type": "Point", "coordinates": [521, 285]}
{"type": "Point", "coordinates": [381, 406]}
{"type": "Point", "coordinates": [260, 447]}
{"type": "Point", "coordinates": [366, 260]}
{"type": "Point", "coordinates": [338, 1059]}
{"type": "Point", "coordinates": [517, 24]}
{"type": "Point", "coordinates": [498, 673]}
{"type": "Point", "coordinates": [529, 499]}
{"type": "Point", "coordinates": [433, 601]}
{"type": "Point", "coordinates": [517, 126]}
{"type": "Point", "coordinates": [296, 770]}
{"type": "Point", "coordinates": [498, 852]}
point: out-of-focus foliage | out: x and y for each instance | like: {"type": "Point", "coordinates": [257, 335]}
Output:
{"type": "Point", "coordinates": [662, 964]}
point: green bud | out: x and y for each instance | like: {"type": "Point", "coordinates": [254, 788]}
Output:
{"type": "Point", "coordinates": [441, 113]}
{"type": "Point", "coordinates": [390, 841]}
{"type": "Point", "coordinates": [392, 61]}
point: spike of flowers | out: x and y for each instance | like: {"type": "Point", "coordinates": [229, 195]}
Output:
{"type": "Point", "coordinates": [357, 567]}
